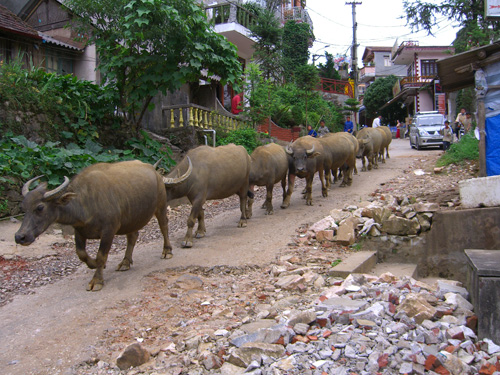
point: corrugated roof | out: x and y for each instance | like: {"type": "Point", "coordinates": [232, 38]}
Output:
{"type": "Point", "coordinates": [62, 42]}
{"type": "Point", "coordinates": [11, 23]}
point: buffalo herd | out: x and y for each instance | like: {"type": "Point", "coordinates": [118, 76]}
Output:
{"type": "Point", "coordinates": [107, 199]}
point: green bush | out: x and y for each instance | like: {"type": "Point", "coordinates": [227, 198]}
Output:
{"type": "Point", "coordinates": [246, 137]}
{"type": "Point", "coordinates": [466, 149]}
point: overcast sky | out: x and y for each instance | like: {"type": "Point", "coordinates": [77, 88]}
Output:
{"type": "Point", "coordinates": [379, 24]}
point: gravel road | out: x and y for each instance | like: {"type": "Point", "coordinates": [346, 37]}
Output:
{"type": "Point", "coordinates": [49, 328]}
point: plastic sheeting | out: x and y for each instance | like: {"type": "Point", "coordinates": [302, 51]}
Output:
{"type": "Point", "coordinates": [492, 125]}
{"type": "Point", "coordinates": [493, 146]}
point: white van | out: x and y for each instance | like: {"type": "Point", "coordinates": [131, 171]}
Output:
{"type": "Point", "coordinates": [426, 130]}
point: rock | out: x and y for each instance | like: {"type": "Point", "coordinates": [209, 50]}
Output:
{"type": "Point", "coordinates": [306, 317]}
{"type": "Point", "coordinates": [400, 226]}
{"type": "Point", "coordinates": [415, 306]}
{"type": "Point", "coordinates": [446, 287]}
{"type": "Point", "coordinates": [134, 355]}
{"type": "Point", "coordinates": [457, 301]}
{"type": "Point", "coordinates": [188, 282]}
{"type": "Point", "coordinates": [289, 282]}
{"type": "Point", "coordinates": [324, 235]}
{"type": "Point", "coordinates": [338, 215]}
{"type": "Point", "coordinates": [250, 351]}
{"type": "Point", "coordinates": [211, 361]}
{"type": "Point", "coordinates": [339, 303]}
{"type": "Point", "coordinates": [426, 207]}
{"type": "Point", "coordinates": [346, 234]}
{"type": "Point", "coordinates": [324, 224]}
{"type": "Point", "coordinates": [230, 369]}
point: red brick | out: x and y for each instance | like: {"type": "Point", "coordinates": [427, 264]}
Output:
{"type": "Point", "coordinates": [487, 369]}
{"type": "Point", "coordinates": [442, 371]}
{"type": "Point", "coordinates": [429, 362]}
{"type": "Point", "coordinates": [327, 333]}
{"type": "Point", "coordinates": [383, 360]}
{"type": "Point", "coordinates": [472, 322]}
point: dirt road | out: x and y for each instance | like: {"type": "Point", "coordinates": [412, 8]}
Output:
{"type": "Point", "coordinates": [56, 327]}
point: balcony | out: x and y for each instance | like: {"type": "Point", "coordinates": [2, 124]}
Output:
{"type": "Point", "coordinates": [367, 74]}
{"type": "Point", "coordinates": [233, 21]}
{"type": "Point", "coordinates": [415, 81]}
{"type": "Point", "coordinates": [297, 14]}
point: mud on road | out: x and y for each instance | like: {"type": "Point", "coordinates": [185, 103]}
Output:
{"type": "Point", "coordinates": [57, 326]}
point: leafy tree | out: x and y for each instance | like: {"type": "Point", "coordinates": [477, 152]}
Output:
{"type": "Point", "coordinates": [296, 37]}
{"type": "Point", "coordinates": [260, 95]}
{"type": "Point", "coordinates": [151, 46]}
{"type": "Point", "coordinates": [327, 70]}
{"type": "Point", "coordinates": [306, 79]}
{"type": "Point", "coordinates": [351, 105]}
{"type": "Point", "coordinates": [268, 32]}
{"type": "Point", "coordinates": [475, 30]}
{"type": "Point", "coordinates": [379, 93]}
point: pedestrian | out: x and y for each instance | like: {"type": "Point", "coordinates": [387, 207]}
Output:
{"type": "Point", "coordinates": [447, 135]}
{"type": "Point", "coordinates": [459, 122]}
{"type": "Point", "coordinates": [311, 131]}
{"type": "Point", "coordinates": [398, 129]}
{"type": "Point", "coordinates": [467, 123]}
{"type": "Point", "coordinates": [348, 125]}
{"type": "Point", "coordinates": [323, 130]}
{"type": "Point", "coordinates": [236, 104]}
{"type": "Point", "coordinates": [376, 122]}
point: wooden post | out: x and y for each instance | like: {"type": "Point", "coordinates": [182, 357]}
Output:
{"type": "Point", "coordinates": [481, 124]}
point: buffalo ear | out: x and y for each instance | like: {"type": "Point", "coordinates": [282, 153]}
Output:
{"type": "Point", "coordinates": [64, 199]}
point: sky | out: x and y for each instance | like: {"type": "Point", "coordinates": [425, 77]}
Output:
{"type": "Point", "coordinates": [379, 24]}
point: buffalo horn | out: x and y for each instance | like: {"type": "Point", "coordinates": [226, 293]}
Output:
{"type": "Point", "coordinates": [26, 186]}
{"type": "Point", "coordinates": [57, 190]}
{"type": "Point", "coordinates": [288, 149]}
{"type": "Point", "coordinates": [170, 182]}
{"type": "Point", "coordinates": [155, 165]}
{"type": "Point", "coordinates": [309, 152]}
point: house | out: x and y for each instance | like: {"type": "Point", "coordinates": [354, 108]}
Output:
{"type": "Point", "coordinates": [420, 89]}
{"type": "Point", "coordinates": [62, 51]}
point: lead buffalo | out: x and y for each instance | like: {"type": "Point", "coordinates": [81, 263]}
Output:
{"type": "Point", "coordinates": [370, 142]}
{"type": "Point", "coordinates": [101, 201]}
{"type": "Point", "coordinates": [306, 158]}
{"type": "Point", "coordinates": [269, 166]}
{"type": "Point", "coordinates": [217, 173]}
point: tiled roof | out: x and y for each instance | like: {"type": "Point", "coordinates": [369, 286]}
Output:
{"type": "Point", "coordinates": [11, 23]}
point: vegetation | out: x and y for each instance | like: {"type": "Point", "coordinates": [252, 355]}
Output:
{"type": "Point", "coordinates": [246, 137]}
{"type": "Point", "coordinates": [466, 149]}
{"type": "Point", "coordinates": [327, 70]}
{"type": "Point", "coordinates": [151, 46]}
{"type": "Point", "coordinates": [379, 93]}
{"type": "Point", "coordinates": [296, 37]}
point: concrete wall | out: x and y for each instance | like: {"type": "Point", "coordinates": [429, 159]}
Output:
{"type": "Point", "coordinates": [440, 252]}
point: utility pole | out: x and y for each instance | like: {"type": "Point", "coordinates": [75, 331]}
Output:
{"type": "Point", "coordinates": [354, 54]}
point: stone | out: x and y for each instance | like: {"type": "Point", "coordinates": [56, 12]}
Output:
{"type": "Point", "coordinates": [188, 282]}
{"type": "Point", "coordinates": [446, 287]}
{"type": "Point", "coordinates": [248, 352]}
{"type": "Point", "coordinates": [400, 226]}
{"type": "Point", "coordinates": [301, 328]}
{"type": "Point", "coordinates": [134, 355]}
{"type": "Point", "coordinates": [306, 317]}
{"type": "Point", "coordinates": [289, 282]}
{"type": "Point", "coordinates": [324, 224]}
{"type": "Point", "coordinates": [230, 369]}
{"type": "Point", "coordinates": [324, 235]}
{"type": "Point", "coordinates": [211, 361]}
{"type": "Point", "coordinates": [338, 215]}
{"type": "Point", "coordinates": [340, 303]}
{"type": "Point", "coordinates": [346, 234]}
{"type": "Point", "coordinates": [426, 207]}
{"type": "Point", "coordinates": [457, 301]}
{"type": "Point", "coordinates": [415, 306]}
{"type": "Point", "coordinates": [453, 364]}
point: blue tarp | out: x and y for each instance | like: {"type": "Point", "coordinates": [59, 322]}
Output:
{"type": "Point", "coordinates": [492, 123]}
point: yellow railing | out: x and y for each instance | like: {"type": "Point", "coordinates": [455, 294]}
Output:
{"type": "Point", "coordinates": [179, 116]}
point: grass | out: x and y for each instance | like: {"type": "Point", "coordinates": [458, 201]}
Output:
{"type": "Point", "coordinates": [335, 262]}
{"type": "Point", "coordinates": [466, 149]}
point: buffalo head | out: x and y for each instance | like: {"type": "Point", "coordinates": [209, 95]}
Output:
{"type": "Point", "coordinates": [299, 156]}
{"type": "Point", "coordinates": [41, 209]}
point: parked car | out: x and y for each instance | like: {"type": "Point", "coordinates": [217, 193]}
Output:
{"type": "Point", "coordinates": [426, 130]}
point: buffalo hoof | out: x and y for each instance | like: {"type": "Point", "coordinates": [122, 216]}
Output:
{"type": "Point", "coordinates": [187, 243]}
{"type": "Point", "coordinates": [167, 254]}
{"type": "Point", "coordinates": [249, 214]}
{"type": "Point", "coordinates": [369, 167]}
{"type": "Point", "coordinates": [200, 234]}
{"type": "Point", "coordinates": [309, 202]}
{"type": "Point", "coordinates": [242, 224]}
{"type": "Point", "coordinates": [270, 212]}
{"type": "Point", "coordinates": [324, 193]}
{"type": "Point", "coordinates": [124, 265]}
{"type": "Point", "coordinates": [95, 285]}
{"type": "Point", "coordinates": [285, 205]}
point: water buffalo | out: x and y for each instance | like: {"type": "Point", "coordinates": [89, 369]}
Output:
{"type": "Point", "coordinates": [387, 139]}
{"type": "Point", "coordinates": [101, 201]}
{"type": "Point", "coordinates": [370, 142]}
{"type": "Point", "coordinates": [340, 153]}
{"type": "Point", "coordinates": [269, 165]}
{"type": "Point", "coordinates": [306, 158]}
{"type": "Point", "coordinates": [217, 173]}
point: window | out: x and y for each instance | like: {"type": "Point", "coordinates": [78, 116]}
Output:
{"type": "Point", "coordinates": [428, 68]}
{"type": "Point", "coordinates": [387, 60]}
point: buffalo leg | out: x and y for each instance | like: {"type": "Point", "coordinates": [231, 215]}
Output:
{"type": "Point", "coordinates": [243, 205]}
{"type": "Point", "coordinates": [201, 230]}
{"type": "Point", "coordinates": [97, 281]}
{"type": "Point", "coordinates": [188, 238]}
{"type": "Point", "coordinates": [291, 185]}
{"type": "Point", "coordinates": [162, 218]}
{"type": "Point", "coordinates": [363, 161]}
{"type": "Point", "coordinates": [81, 243]}
{"type": "Point", "coordinates": [387, 153]}
{"type": "Point", "coordinates": [249, 210]}
{"type": "Point", "coordinates": [269, 199]}
{"type": "Point", "coordinates": [324, 190]}
{"type": "Point", "coordinates": [370, 161]}
{"type": "Point", "coordinates": [127, 259]}
{"type": "Point", "coordinates": [308, 196]}
{"type": "Point", "coordinates": [283, 186]}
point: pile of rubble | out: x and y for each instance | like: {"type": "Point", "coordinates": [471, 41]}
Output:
{"type": "Point", "coordinates": [361, 325]}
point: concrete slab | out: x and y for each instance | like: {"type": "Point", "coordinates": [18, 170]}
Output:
{"type": "Point", "coordinates": [358, 262]}
{"type": "Point", "coordinates": [480, 192]}
{"type": "Point", "coordinates": [397, 269]}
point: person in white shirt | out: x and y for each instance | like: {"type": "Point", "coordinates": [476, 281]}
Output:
{"type": "Point", "coordinates": [376, 122]}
